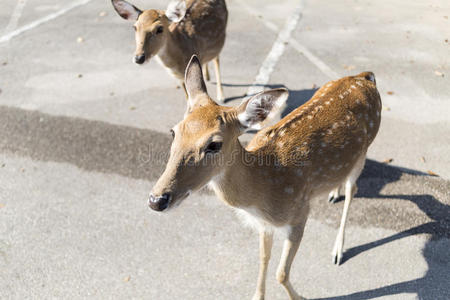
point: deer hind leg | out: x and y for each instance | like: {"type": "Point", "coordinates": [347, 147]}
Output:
{"type": "Point", "coordinates": [350, 191]}
{"type": "Point", "coordinates": [290, 248]}
{"type": "Point", "coordinates": [334, 195]}
{"type": "Point", "coordinates": [218, 80]}
{"type": "Point", "coordinates": [206, 71]}
{"type": "Point", "coordinates": [265, 249]}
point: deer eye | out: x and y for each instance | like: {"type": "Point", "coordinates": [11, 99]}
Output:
{"type": "Point", "coordinates": [172, 133]}
{"type": "Point", "coordinates": [159, 30]}
{"type": "Point", "coordinates": [213, 147]}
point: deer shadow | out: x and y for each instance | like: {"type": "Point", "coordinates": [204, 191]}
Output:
{"type": "Point", "coordinates": [435, 283]}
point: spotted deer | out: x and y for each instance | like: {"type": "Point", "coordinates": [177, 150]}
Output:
{"type": "Point", "coordinates": [316, 148]}
{"type": "Point", "coordinates": [174, 35]}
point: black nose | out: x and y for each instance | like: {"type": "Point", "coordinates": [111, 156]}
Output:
{"type": "Point", "coordinates": [139, 59]}
{"type": "Point", "coordinates": [159, 203]}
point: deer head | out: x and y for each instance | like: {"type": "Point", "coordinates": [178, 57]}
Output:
{"type": "Point", "coordinates": [204, 142]}
{"type": "Point", "coordinates": [151, 26]}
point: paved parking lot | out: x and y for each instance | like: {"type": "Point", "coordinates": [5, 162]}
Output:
{"type": "Point", "coordinates": [79, 124]}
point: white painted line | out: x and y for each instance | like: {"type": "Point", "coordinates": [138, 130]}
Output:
{"type": "Point", "coordinates": [43, 20]}
{"type": "Point", "coordinates": [314, 59]}
{"type": "Point", "coordinates": [15, 16]}
{"type": "Point", "coordinates": [322, 66]}
{"type": "Point", "coordinates": [275, 53]}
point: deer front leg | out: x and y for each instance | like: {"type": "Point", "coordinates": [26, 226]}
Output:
{"type": "Point", "coordinates": [290, 248]}
{"type": "Point", "coordinates": [218, 80]}
{"type": "Point", "coordinates": [265, 249]}
{"type": "Point", "coordinates": [206, 71]}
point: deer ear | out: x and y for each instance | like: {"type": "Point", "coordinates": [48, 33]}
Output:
{"type": "Point", "coordinates": [260, 108]}
{"type": "Point", "coordinates": [176, 10]}
{"type": "Point", "coordinates": [195, 85]}
{"type": "Point", "coordinates": [126, 10]}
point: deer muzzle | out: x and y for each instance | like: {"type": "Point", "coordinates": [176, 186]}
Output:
{"type": "Point", "coordinates": [159, 203]}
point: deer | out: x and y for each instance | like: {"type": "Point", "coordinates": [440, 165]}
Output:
{"type": "Point", "coordinates": [174, 35]}
{"type": "Point", "coordinates": [318, 147]}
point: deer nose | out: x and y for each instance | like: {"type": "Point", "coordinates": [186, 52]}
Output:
{"type": "Point", "coordinates": [159, 203]}
{"type": "Point", "coordinates": [139, 59]}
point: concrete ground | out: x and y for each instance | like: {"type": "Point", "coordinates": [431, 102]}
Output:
{"type": "Point", "coordinates": [84, 133]}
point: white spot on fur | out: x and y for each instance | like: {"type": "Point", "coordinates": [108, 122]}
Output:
{"type": "Point", "coordinates": [340, 96]}
{"type": "Point", "coordinates": [289, 190]}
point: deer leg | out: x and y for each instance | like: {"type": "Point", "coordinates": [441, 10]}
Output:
{"type": "Point", "coordinates": [218, 80]}
{"type": "Point", "coordinates": [206, 71]}
{"type": "Point", "coordinates": [333, 197]}
{"type": "Point", "coordinates": [290, 248]}
{"type": "Point", "coordinates": [265, 248]}
{"type": "Point", "coordinates": [339, 244]}
{"type": "Point", "coordinates": [350, 191]}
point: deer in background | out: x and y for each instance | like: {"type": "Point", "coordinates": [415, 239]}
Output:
{"type": "Point", "coordinates": [316, 148]}
{"type": "Point", "coordinates": [174, 35]}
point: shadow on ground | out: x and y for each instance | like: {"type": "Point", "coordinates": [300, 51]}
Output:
{"type": "Point", "coordinates": [435, 283]}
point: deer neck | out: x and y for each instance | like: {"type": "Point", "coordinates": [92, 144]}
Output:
{"type": "Point", "coordinates": [234, 184]}
{"type": "Point", "coordinates": [171, 55]}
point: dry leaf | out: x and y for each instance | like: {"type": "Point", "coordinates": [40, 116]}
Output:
{"type": "Point", "coordinates": [390, 93]}
{"type": "Point", "coordinates": [422, 159]}
{"type": "Point", "coordinates": [80, 75]}
{"type": "Point", "coordinates": [432, 173]}
{"type": "Point", "coordinates": [388, 161]}
{"type": "Point", "coordinates": [132, 107]}
{"type": "Point", "coordinates": [446, 40]}
{"type": "Point", "coordinates": [349, 67]}
{"type": "Point", "coordinates": [437, 73]}
{"type": "Point", "coordinates": [80, 39]}
{"type": "Point", "coordinates": [126, 279]}
{"type": "Point", "coordinates": [3, 165]}
{"type": "Point", "coordinates": [445, 17]}
{"type": "Point", "coordinates": [4, 63]}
